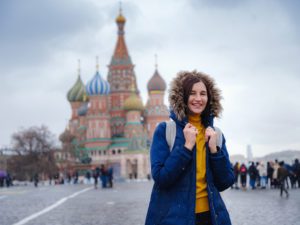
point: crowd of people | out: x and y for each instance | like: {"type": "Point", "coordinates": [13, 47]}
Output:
{"type": "Point", "coordinates": [5, 179]}
{"type": "Point", "coordinates": [277, 174]}
{"type": "Point", "coordinates": [103, 174]}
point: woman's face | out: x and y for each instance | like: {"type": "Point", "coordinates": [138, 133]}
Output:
{"type": "Point", "coordinates": [198, 99]}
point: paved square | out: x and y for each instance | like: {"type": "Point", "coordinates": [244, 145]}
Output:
{"type": "Point", "coordinates": [127, 203]}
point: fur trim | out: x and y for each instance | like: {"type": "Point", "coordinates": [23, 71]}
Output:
{"type": "Point", "coordinates": [176, 94]}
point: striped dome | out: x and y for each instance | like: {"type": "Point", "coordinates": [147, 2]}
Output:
{"type": "Point", "coordinates": [156, 83]}
{"type": "Point", "coordinates": [133, 102]}
{"type": "Point", "coordinates": [77, 92]}
{"type": "Point", "coordinates": [97, 86]}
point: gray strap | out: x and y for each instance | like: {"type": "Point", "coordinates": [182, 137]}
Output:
{"type": "Point", "coordinates": [170, 133]}
{"type": "Point", "coordinates": [220, 137]}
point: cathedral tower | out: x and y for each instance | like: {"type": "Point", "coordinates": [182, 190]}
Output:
{"type": "Point", "coordinates": [98, 117]}
{"type": "Point", "coordinates": [120, 76]}
{"type": "Point", "coordinates": [76, 96]}
{"type": "Point", "coordinates": [156, 111]}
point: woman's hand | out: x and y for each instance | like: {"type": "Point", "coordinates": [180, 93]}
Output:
{"type": "Point", "coordinates": [190, 132]}
{"type": "Point", "coordinates": [211, 138]}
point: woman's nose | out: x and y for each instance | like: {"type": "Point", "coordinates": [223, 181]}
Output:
{"type": "Point", "coordinates": [198, 97]}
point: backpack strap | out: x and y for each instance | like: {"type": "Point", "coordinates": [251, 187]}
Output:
{"type": "Point", "coordinates": [220, 137]}
{"type": "Point", "coordinates": [170, 133]}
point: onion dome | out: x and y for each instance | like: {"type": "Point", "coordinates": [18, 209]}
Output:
{"type": "Point", "coordinates": [156, 83]}
{"type": "Point", "coordinates": [82, 110]}
{"type": "Point", "coordinates": [120, 19]}
{"type": "Point", "coordinates": [97, 86]}
{"type": "Point", "coordinates": [133, 103]}
{"type": "Point", "coordinates": [77, 92]}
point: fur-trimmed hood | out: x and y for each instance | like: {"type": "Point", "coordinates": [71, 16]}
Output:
{"type": "Point", "coordinates": [176, 98]}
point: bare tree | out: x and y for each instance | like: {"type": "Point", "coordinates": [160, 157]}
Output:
{"type": "Point", "coordinates": [68, 144]}
{"type": "Point", "coordinates": [34, 153]}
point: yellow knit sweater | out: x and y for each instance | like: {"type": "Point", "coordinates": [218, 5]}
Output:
{"type": "Point", "coordinates": [201, 192]}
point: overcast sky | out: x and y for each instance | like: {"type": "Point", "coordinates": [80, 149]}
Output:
{"type": "Point", "coordinates": [250, 47]}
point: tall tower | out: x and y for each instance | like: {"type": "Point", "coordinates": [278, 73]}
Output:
{"type": "Point", "coordinates": [156, 111]}
{"type": "Point", "coordinates": [98, 117]}
{"type": "Point", "coordinates": [249, 153]}
{"type": "Point", "coordinates": [120, 76]}
{"type": "Point", "coordinates": [134, 129]}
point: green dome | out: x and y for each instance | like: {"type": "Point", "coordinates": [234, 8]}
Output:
{"type": "Point", "coordinates": [77, 92]}
{"type": "Point", "coordinates": [133, 103]}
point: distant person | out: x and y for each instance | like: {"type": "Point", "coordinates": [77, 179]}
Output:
{"type": "Point", "coordinates": [8, 180]}
{"type": "Point", "coordinates": [110, 173]}
{"type": "Point", "coordinates": [243, 175]}
{"type": "Point", "coordinates": [103, 175]}
{"type": "Point", "coordinates": [1, 181]}
{"type": "Point", "coordinates": [257, 179]}
{"type": "Point", "coordinates": [50, 179]}
{"type": "Point", "coordinates": [189, 177]}
{"type": "Point", "coordinates": [36, 180]}
{"type": "Point", "coordinates": [270, 171]}
{"type": "Point", "coordinates": [262, 171]}
{"type": "Point", "coordinates": [296, 170]}
{"type": "Point", "coordinates": [88, 177]}
{"type": "Point", "coordinates": [69, 178]}
{"type": "Point", "coordinates": [275, 175]}
{"type": "Point", "coordinates": [96, 174]}
{"type": "Point", "coordinates": [282, 175]}
{"type": "Point", "coordinates": [236, 170]}
{"type": "Point", "coordinates": [252, 174]}
{"type": "Point", "coordinates": [290, 176]}
{"type": "Point", "coordinates": [76, 176]}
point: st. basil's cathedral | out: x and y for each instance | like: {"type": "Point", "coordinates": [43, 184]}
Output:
{"type": "Point", "coordinates": [110, 124]}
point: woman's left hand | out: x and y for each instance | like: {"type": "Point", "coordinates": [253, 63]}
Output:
{"type": "Point", "coordinates": [211, 138]}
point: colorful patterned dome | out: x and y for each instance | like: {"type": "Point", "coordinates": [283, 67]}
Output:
{"type": "Point", "coordinates": [77, 92]}
{"type": "Point", "coordinates": [133, 103]}
{"type": "Point", "coordinates": [97, 86]}
{"type": "Point", "coordinates": [156, 83]}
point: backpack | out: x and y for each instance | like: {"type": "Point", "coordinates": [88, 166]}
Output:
{"type": "Point", "coordinates": [243, 169]}
{"type": "Point", "coordinates": [171, 134]}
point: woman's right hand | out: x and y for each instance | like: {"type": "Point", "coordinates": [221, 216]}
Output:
{"type": "Point", "coordinates": [190, 132]}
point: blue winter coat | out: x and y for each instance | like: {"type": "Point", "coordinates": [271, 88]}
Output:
{"type": "Point", "coordinates": [174, 172]}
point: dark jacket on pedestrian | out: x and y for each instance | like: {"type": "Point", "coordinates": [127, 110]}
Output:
{"type": "Point", "coordinates": [282, 173]}
{"type": "Point", "coordinates": [174, 173]}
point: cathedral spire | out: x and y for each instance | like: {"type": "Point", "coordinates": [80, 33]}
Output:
{"type": "Point", "coordinates": [155, 61]}
{"type": "Point", "coordinates": [121, 56]}
{"type": "Point", "coordinates": [97, 64]}
{"type": "Point", "coordinates": [120, 21]}
{"type": "Point", "coordinates": [78, 67]}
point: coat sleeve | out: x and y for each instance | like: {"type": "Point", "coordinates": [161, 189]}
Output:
{"type": "Point", "coordinates": [222, 170]}
{"type": "Point", "coordinates": [167, 166]}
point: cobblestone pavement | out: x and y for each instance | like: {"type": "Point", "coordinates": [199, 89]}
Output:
{"type": "Point", "coordinates": [126, 204]}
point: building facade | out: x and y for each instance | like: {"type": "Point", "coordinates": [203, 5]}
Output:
{"type": "Point", "coordinates": [110, 124]}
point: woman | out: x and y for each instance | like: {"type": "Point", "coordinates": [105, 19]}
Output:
{"type": "Point", "coordinates": [189, 177]}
